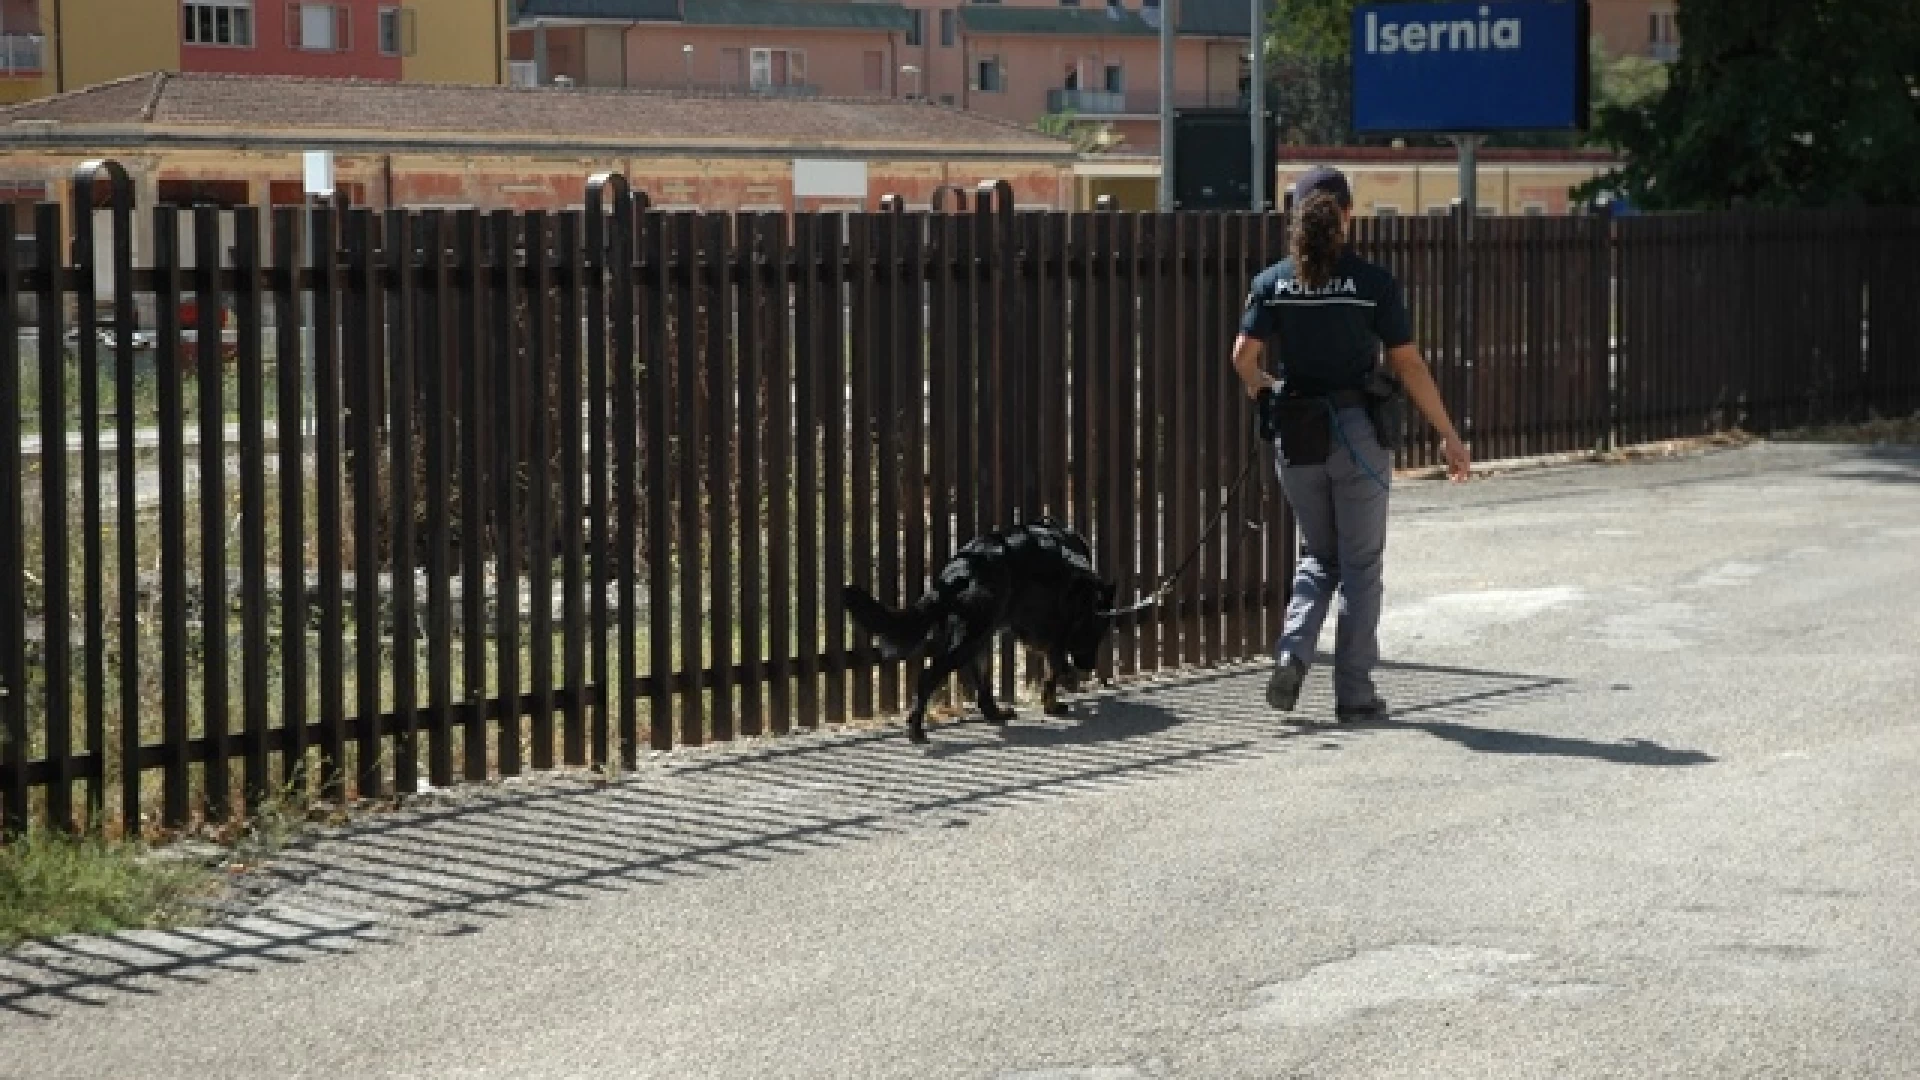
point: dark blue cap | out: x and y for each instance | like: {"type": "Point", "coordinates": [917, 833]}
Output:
{"type": "Point", "coordinates": [1323, 178]}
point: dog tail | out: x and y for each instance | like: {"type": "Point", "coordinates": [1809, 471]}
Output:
{"type": "Point", "coordinates": [900, 633]}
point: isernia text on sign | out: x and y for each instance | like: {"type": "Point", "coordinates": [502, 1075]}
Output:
{"type": "Point", "coordinates": [1460, 68]}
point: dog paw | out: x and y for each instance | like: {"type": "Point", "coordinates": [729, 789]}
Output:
{"type": "Point", "coordinates": [1058, 708]}
{"type": "Point", "coordinates": [916, 733]}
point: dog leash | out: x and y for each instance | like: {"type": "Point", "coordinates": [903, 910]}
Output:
{"type": "Point", "coordinates": [1160, 594]}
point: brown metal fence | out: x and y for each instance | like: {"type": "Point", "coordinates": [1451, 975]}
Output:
{"type": "Point", "coordinates": [550, 489]}
{"type": "Point", "coordinates": [1765, 320]}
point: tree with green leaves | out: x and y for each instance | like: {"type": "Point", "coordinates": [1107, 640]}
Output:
{"type": "Point", "coordinates": [1308, 50]}
{"type": "Point", "coordinates": [1776, 103]}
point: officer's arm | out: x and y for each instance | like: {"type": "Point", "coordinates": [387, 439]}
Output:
{"type": "Point", "coordinates": [1407, 363]}
{"type": "Point", "coordinates": [1246, 362]}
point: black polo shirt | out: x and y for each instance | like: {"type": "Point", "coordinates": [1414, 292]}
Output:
{"type": "Point", "coordinates": [1326, 339]}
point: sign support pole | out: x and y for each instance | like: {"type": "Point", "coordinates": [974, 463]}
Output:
{"type": "Point", "coordinates": [1257, 108]}
{"type": "Point", "coordinates": [1469, 150]}
{"type": "Point", "coordinates": [1167, 16]}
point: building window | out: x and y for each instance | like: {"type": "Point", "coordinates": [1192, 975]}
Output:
{"type": "Point", "coordinates": [396, 31]}
{"type": "Point", "coordinates": [1660, 26]}
{"type": "Point", "coordinates": [225, 194]}
{"type": "Point", "coordinates": [1533, 209]}
{"type": "Point", "coordinates": [229, 23]}
{"type": "Point", "coordinates": [1069, 3]}
{"type": "Point", "coordinates": [946, 28]}
{"type": "Point", "coordinates": [987, 75]}
{"type": "Point", "coordinates": [946, 99]}
{"type": "Point", "coordinates": [1385, 210]}
{"type": "Point", "coordinates": [1663, 37]}
{"type": "Point", "coordinates": [916, 27]}
{"type": "Point", "coordinates": [293, 193]}
{"type": "Point", "coordinates": [777, 67]}
{"type": "Point", "coordinates": [319, 27]}
{"type": "Point", "coordinates": [1116, 79]}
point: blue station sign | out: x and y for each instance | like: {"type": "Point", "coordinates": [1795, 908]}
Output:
{"type": "Point", "coordinates": [1507, 65]}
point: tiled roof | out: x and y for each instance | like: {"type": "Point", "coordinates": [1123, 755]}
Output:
{"type": "Point", "coordinates": [797, 14]}
{"type": "Point", "coordinates": [273, 110]}
{"type": "Point", "coordinates": [804, 16]}
{"type": "Point", "coordinates": [618, 10]}
{"type": "Point", "coordinates": [991, 19]}
{"type": "Point", "coordinates": [1202, 18]}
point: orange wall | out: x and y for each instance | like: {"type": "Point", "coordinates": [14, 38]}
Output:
{"type": "Point", "coordinates": [838, 62]}
{"type": "Point", "coordinates": [526, 184]}
{"type": "Point", "coordinates": [1505, 187]}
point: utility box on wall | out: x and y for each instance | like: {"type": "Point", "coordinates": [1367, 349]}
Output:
{"type": "Point", "coordinates": [1213, 156]}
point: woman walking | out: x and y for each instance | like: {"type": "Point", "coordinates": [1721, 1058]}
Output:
{"type": "Point", "coordinates": [1326, 315]}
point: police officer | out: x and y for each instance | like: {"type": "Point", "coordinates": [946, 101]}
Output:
{"type": "Point", "coordinates": [1326, 314]}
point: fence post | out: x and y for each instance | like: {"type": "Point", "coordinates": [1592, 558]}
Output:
{"type": "Point", "coordinates": [13, 572]}
{"type": "Point", "coordinates": [1468, 360]}
{"type": "Point", "coordinates": [84, 195]}
{"type": "Point", "coordinates": [599, 668]}
{"type": "Point", "coordinates": [939, 199]}
{"type": "Point", "coordinates": [1604, 309]}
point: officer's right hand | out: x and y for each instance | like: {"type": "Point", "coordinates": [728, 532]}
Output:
{"type": "Point", "coordinates": [1459, 462]}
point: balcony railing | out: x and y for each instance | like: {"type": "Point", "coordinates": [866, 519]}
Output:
{"type": "Point", "coordinates": [20, 54]}
{"type": "Point", "coordinates": [792, 89]}
{"type": "Point", "coordinates": [1087, 102]}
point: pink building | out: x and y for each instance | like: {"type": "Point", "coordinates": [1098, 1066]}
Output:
{"type": "Point", "coordinates": [1018, 60]}
{"type": "Point", "coordinates": [337, 39]}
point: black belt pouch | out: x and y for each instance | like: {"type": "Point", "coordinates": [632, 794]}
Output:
{"type": "Point", "coordinates": [1387, 409]}
{"type": "Point", "coordinates": [1305, 436]}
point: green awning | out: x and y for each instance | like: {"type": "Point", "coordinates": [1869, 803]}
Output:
{"type": "Point", "coordinates": [993, 19]}
{"type": "Point", "coordinates": [803, 16]}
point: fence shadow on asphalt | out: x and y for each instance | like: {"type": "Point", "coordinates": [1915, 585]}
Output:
{"type": "Point", "coordinates": [1890, 464]}
{"type": "Point", "coordinates": [450, 864]}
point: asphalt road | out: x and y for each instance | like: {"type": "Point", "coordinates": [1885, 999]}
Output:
{"type": "Point", "coordinates": [1647, 811]}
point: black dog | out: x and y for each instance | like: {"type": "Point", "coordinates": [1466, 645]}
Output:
{"type": "Point", "coordinates": [1036, 580]}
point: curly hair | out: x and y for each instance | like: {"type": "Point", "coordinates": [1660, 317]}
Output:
{"type": "Point", "coordinates": [1316, 238]}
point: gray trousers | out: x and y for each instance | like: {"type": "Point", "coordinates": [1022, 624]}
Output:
{"type": "Point", "coordinates": [1341, 513]}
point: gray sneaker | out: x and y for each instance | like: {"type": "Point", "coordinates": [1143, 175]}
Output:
{"type": "Point", "coordinates": [1283, 689]}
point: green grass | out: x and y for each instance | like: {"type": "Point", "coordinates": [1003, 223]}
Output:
{"type": "Point", "coordinates": [52, 884]}
{"type": "Point", "coordinates": [146, 401]}
{"type": "Point", "coordinates": [1899, 431]}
